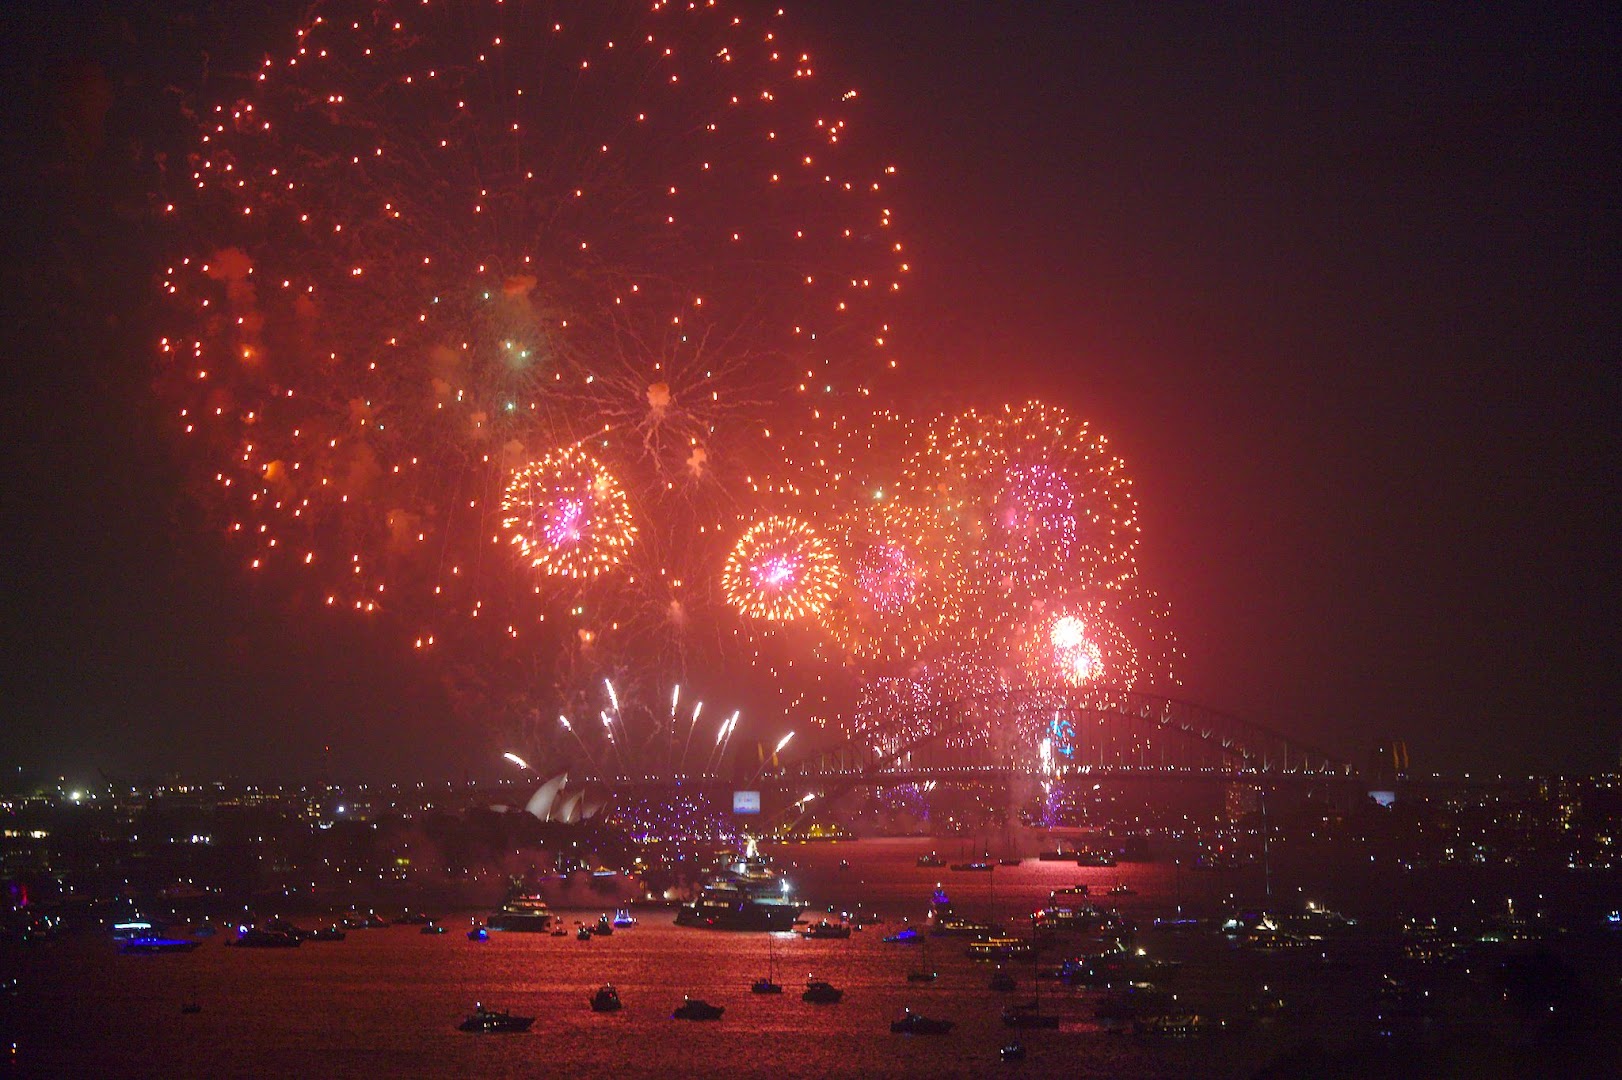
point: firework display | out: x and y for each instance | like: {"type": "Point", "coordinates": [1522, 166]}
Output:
{"type": "Point", "coordinates": [780, 571]}
{"type": "Point", "coordinates": [902, 583]}
{"type": "Point", "coordinates": [551, 331]}
{"type": "Point", "coordinates": [427, 244]}
{"type": "Point", "coordinates": [1078, 646]}
{"type": "Point", "coordinates": [958, 697]}
{"type": "Point", "coordinates": [1050, 503]}
{"type": "Point", "coordinates": [567, 515]}
{"type": "Point", "coordinates": [1039, 567]}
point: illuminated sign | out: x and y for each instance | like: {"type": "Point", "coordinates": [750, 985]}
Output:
{"type": "Point", "coordinates": [746, 802]}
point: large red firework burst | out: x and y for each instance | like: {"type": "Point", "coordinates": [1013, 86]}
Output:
{"type": "Point", "coordinates": [429, 244]}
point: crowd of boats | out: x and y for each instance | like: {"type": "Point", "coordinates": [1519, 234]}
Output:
{"type": "Point", "coordinates": [1075, 939]}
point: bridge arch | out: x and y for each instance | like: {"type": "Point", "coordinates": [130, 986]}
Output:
{"type": "Point", "coordinates": [1091, 728]}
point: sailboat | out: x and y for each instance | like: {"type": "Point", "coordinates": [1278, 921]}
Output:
{"type": "Point", "coordinates": [923, 973]}
{"type": "Point", "coordinates": [1030, 1014]}
{"type": "Point", "coordinates": [1001, 981]}
{"type": "Point", "coordinates": [768, 985]}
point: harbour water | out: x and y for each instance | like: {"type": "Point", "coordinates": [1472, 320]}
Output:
{"type": "Point", "coordinates": [386, 1002]}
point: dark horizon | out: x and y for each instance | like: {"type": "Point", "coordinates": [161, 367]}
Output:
{"type": "Point", "coordinates": [1340, 286]}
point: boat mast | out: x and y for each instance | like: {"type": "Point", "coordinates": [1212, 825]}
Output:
{"type": "Point", "coordinates": [993, 919]}
{"type": "Point", "coordinates": [1036, 978]}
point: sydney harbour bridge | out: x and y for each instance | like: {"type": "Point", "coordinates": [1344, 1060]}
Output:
{"type": "Point", "coordinates": [1050, 733]}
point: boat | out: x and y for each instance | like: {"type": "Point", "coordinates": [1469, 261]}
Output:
{"type": "Point", "coordinates": [327, 933]}
{"type": "Point", "coordinates": [250, 937]}
{"type": "Point", "coordinates": [190, 1008]}
{"type": "Point", "coordinates": [415, 918]}
{"type": "Point", "coordinates": [912, 1023]}
{"type": "Point", "coordinates": [998, 945]}
{"type": "Point", "coordinates": [606, 999]}
{"type": "Point", "coordinates": [583, 934]}
{"type": "Point", "coordinates": [697, 1009]}
{"type": "Point", "coordinates": [1136, 1001]}
{"type": "Point", "coordinates": [604, 927]}
{"type": "Point", "coordinates": [1174, 1025]}
{"type": "Point", "coordinates": [821, 993]}
{"type": "Point", "coordinates": [766, 985]}
{"type": "Point", "coordinates": [522, 912]}
{"type": "Point", "coordinates": [487, 1020]}
{"type": "Point", "coordinates": [623, 919]}
{"type": "Point", "coordinates": [369, 921]}
{"type": "Point", "coordinates": [1013, 1052]}
{"type": "Point", "coordinates": [431, 928]}
{"type": "Point", "coordinates": [962, 866]}
{"type": "Point", "coordinates": [1122, 889]}
{"type": "Point", "coordinates": [931, 859]}
{"type": "Point", "coordinates": [1009, 862]}
{"type": "Point", "coordinates": [922, 972]}
{"type": "Point", "coordinates": [954, 927]}
{"type": "Point", "coordinates": [1090, 857]}
{"type": "Point", "coordinates": [1061, 855]}
{"type": "Point", "coordinates": [1029, 1014]}
{"type": "Point", "coordinates": [478, 933]}
{"type": "Point", "coordinates": [744, 894]}
{"type": "Point", "coordinates": [282, 926]}
{"type": "Point", "coordinates": [826, 930]}
{"type": "Point", "coordinates": [136, 928]}
{"type": "Point", "coordinates": [1069, 911]}
{"type": "Point", "coordinates": [1028, 1018]}
{"type": "Point", "coordinates": [158, 945]}
{"type": "Point", "coordinates": [904, 936]}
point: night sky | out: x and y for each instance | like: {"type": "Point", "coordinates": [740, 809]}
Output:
{"type": "Point", "coordinates": [1340, 283]}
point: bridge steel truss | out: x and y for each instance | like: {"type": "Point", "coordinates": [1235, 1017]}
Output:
{"type": "Point", "coordinates": [1094, 730]}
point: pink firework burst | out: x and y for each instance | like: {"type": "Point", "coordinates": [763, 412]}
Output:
{"type": "Point", "coordinates": [1038, 512]}
{"type": "Point", "coordinates": [887, 578]}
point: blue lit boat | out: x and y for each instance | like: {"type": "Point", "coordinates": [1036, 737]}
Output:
{"type": "Point", "coordinates": [158, 945]}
